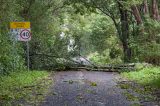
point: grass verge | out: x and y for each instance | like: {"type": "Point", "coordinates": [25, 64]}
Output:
{"type": "Point", "coordinates": [147, 76]}
{"type": "Point", "coordinates": [24, 88]}
{"type": "Point", "coordinates": [142, 86]}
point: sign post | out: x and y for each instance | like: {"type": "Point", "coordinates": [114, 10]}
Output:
{"type": "Point", "coordinates": [21, 31]}
{"type": "Point", "coordinates": [28, 61]}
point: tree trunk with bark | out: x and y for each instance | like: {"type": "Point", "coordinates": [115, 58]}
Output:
{"type": "Point", "coordinates": [136, 14]}
{"type": "Point", "coordinates": [155, 11]}
{"type": "Point", "coordinates": [125, 32]}
{"type": "Point", "coordinates": [145, 7]}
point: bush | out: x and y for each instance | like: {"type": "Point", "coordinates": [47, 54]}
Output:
{"type": "Point", "coordinates": [10, 58]}
{"type": "Point", "coordinates": [146, 76]}
{"type": "Point", "coordinates": [105, 58]}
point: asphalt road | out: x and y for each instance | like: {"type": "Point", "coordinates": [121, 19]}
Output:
{"type": "Point", "coordinates": [83, 88]}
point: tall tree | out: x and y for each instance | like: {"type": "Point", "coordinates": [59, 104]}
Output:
{"type": "Point", "coordinates": [125, 31]}
{"type": "Point", "coordinates": [155, 10]}
{"type": "Point", "coordinates": [116, 10]}
{"type": "Point", "coordinates": [136, 14]}
{"type": "Point", "coordinates": [145, 7]}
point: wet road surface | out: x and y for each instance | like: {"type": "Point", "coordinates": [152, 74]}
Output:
{"type": "Point", "coordinates": [83, 88]}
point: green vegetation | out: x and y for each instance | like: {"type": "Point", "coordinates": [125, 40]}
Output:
{"type": "Point", "coordinates": [131, 97]}
{"type": "Point", "coordinates": [146, 76]}
{"type": "Point", "coordinates": [144, 82]}
{"type": "Point", "coordinates": [93, 84]}
{"type": "Point", "coordinates": [30, 86]}
{"type": "Point", "coordinates": [105, 31]}
{"type": "Point", "coordinates": [135, 92]}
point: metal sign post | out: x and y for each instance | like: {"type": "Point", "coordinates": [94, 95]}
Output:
{"type": "Point", "coordinates": [22, 32]}
{"type": "Point", "coordinates": [14, 53]}
{"type": "Point", "coordinates": [28, 60]}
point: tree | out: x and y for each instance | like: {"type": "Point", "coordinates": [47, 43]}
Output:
{"type": "Point", "coordinates": [155, 10]}
{"type": "Point", "coordinates": [109, 8]}
{"type": "Point", "coordinates": [10, 51]}
{"type": "Point", "coordinates": [121, 12]}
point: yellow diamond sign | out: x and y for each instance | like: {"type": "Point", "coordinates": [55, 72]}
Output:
{"type": "Point", "coordinates": [20, 25]}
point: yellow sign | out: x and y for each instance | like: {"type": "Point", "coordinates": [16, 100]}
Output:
{"type": "Point", "coordinates": [20, 25]}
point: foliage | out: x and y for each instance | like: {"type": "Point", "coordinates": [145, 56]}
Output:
{"type": "Point", "coordinates": [10, 52]}
{"type": "Point", "coordinates": [107, 57]}
{"type": "Point", "coordinates": [146, 76]}
{"type": "Point", "coordinates": [146, 46]}
{"type": "Point", "coordinates": [63, 29]}
{"type": "Point", "coordinates": [19, 85]}
{"type": "Point", "coordinates": [126, 27]}
{"type": "Point", "coordinates": [45, 37]}
{"type": "Point", "coordinates": [103, 33]}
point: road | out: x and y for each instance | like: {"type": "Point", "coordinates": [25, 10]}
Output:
{"type": "Point", "coordinates": [83, 88]}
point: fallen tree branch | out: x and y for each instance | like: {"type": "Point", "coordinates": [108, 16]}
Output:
{"type": "Point", "coordinates": [89, 61]}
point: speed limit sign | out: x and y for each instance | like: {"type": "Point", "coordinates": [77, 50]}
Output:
{"type": "Point", "coordinates": [21, 31]}
{"type": "Point", "coordinates": [25, 35]}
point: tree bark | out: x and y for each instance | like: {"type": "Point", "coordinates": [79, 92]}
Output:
{"type": "Point", "coordinates": [145, 7]}
{"type": "Point", "coordinates": [125, 32]}
{"type": "Point", "coordinates": [136, 14]}
{"type": "Point", "coordinates": [155, 11]}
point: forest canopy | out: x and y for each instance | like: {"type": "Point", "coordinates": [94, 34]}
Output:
{"type": "Point", "coordinates": [103, 31]}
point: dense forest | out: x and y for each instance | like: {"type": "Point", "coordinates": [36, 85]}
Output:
{"type": "Point", "coordinates": [81, 53]}
{"type": "Point", "coordinates": [104, 31]}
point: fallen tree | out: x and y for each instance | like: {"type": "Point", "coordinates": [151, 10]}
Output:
{"type": "Point", "coordinates": [67, 63]}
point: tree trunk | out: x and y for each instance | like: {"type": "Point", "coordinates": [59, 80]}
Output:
{"type": "Point", "coordinates": [145, 7]}
{"type": "Point", "coordinates": [155, 12]}
{"type": "Point", "coordinates": [136, 14]}
{"type": "Point", "coordinates": [125, 33]}
{"type": "Point", "coordinates": [127, 52]}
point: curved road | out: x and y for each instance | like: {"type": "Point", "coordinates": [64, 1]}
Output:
{"type": "Point", "coordinates": [83, 88]}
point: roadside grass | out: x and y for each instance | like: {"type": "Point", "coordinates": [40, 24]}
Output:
{"type": "Point", "coordinates": [147, 76]}
{"type": "Point", "coordinates": [26, 86]}
{"type": "Point", "coordinates": [144, 82]}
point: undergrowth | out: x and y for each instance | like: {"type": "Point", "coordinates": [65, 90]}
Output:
{"type": "Point", "coordinates": [23, 86]}
{"type": "Point", "coordinates": [146, 76]}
